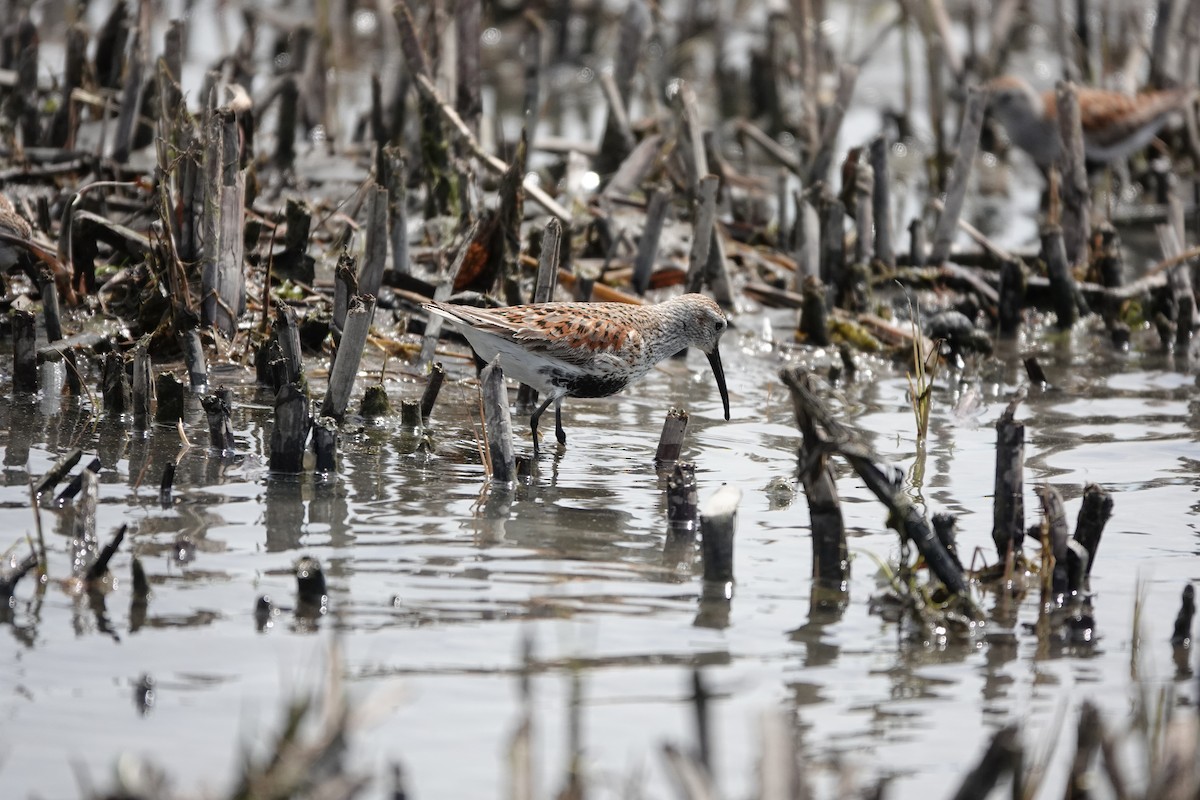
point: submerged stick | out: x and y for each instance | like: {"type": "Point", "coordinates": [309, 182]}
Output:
{"type": "Point", "coordinates": [24, 333]}
{"type": "Point", "coordinates": [683, 502]}
{"type": "Point", "coordinates": [142, 386]}
{"type": "Point", "coordinates": [718, 523]}
{"type": "Point", "coordinates": [56, 472]}
{"type": "Point", "coordinates": [100, 566]}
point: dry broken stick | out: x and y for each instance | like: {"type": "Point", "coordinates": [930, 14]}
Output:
{"type": "Point", "coordinates": [884, 481]}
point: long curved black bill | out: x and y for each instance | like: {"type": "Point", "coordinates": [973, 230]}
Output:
{"type": "Point", "coordinates": [714, 361]}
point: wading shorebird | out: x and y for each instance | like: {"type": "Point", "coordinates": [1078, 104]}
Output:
{"type": "Point", "coordinates": [588, 349]}
{"type": "Point", "coordinates": [1114, 124]}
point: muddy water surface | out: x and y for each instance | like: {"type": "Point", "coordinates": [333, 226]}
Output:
{"type": "Point", "coordinates": [434, 589]}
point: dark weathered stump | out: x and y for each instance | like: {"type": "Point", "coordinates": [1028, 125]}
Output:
{"type": "Point", "coordinates": [217, 408]}
{"type": "Point", "coordinates": [718, 523]}
{"type": "Point", "coordinates": [169, 392]}
{"type": "Point", "coordinates": [437, 375]}
{"type": "Point", "coordinates": [1093, 515]}
{"type": "Point", "coordinates": [24, 327]}
{"type": "Point", "coordinates": [1008, 512]}
{"type": "Point", "coordinates": [290, 431]}
{"type": "Point", "coordinates": [325, 439]}
{"type": "Point", "coordinates": [142, 386]}
{"type": "Point", "coordinates": [670, 443]}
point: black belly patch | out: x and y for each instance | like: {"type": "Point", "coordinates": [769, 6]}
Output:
{"type": "Point", "coordinates": [587, 385]}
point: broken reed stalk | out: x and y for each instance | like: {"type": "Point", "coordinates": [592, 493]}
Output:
{"type": "Point", "coordinates": [683, 502]}
{"type": "Point", "coordinates": [56, 472]}
{"type": "Point", "coordinates": [50, 308]}
{"type": "Point", "coordinates": [632, 33]}
{"type": "Point", "coordinates": [814, 315]}
{"type": "Point", "coordinates": [99, 567]}
{"type": "Point", "coordinates": [72, 488]}
{"type": "Point", "coordinates": [142, 386]}
{"type": "Point", "coordinates": [25, 372]}
{"type": "Point", "coordinates": [345, 286]}
{"type": "Point", "coordinates": [968, 145]}
{"type": "Point", "coordinates": [1008, 512]}
{"type": "Point", "coordinates": [1004, 755]}
{"type": "Point", "coordinates": [1093, 515]}
{"type": "Point", "coordinates": [114, 385]}
{"type": "Point", "coordinates": [692, 135]}
{"type": "Point", "coordinates": [169, 397]}
{"type": "Point", "coordinates": [704, 216]}
{"type": "Point", "coordinates": [165, 484]}
{"type": "Point", "coordinates": [1181, 636]}
{"type": "Point", "coordinates": [324, 443]}
{"type": "Point", "coordinates": [497, 423]}
{"type": "Point", "coordinates": [543, 292]}
{"type": "Point", "coordinates": [131, 97]}
{"type": "Point", "coordinates": [370, 277]}
{"type": "Point", "coordinates": [806, 235]}
{"type": "Point", "coordinates": [885, 484]}
{"type": "Point", "coordinates": [349, 356]}
{"type": "Point", "coordinates": [217, 408]}
{"type": "Point", "coordinates": [437, 375]}
{"type": "Point", "coordinates": [885, 251]}
{"type": "Point", "coordinates": [1074, 187]}
{"type": "Point", "coordinates": [656, 214]}
{"type": "Point", "coordinates": [718, 523]}
{"type": "Point", "coordinates": [1012, 296]}
{"type": "Point", "coordinates": [831, 560]}
{"type": "Point", "coordinates": [1054, 545]}
{"type": "Point", "coordinates": [1062, 282]}
{"type": "Point", "coordinates": [193, 353]}
{"type": "Point", "coordinates": [287, 332]}
{"type": "Point", "coordinates": [833, 240]}
{"type": "Point", "coordinates": [864, 215]}
{"type": "Point", "coordinates": [290, 431]}
{"type": "Point", "coordinates": [670, 443]}
{"type": "Point", "coordinates": [818, 168]}
{"type": "Point", "coordinates": [398, 208]}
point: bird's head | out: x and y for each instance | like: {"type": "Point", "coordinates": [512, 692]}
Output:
{"type": "Point", "coordinates": [1013, 100]}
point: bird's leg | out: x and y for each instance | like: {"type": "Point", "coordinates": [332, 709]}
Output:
{"type": "Point", "coordinates": [533, 422]}
{"type": "Point", "coordinates": [558, 428]}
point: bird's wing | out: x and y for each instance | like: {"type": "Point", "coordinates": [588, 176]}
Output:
{"type": "Point", "coordinates": [579, 334]}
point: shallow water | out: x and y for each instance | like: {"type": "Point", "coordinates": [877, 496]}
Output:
{"type": "Point", "coordinates": [433, 589]}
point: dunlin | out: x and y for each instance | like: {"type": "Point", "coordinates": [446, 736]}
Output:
{"type": "Point", "coordinates": [588, 349]}
{"type": "Point", "coordinates": [1114, 124]}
